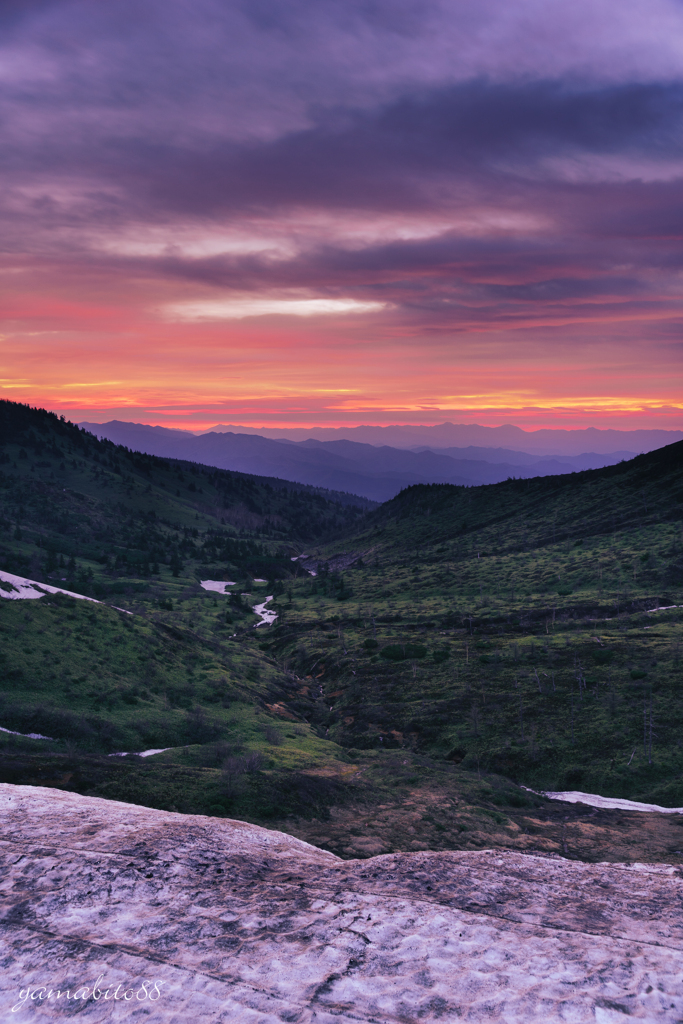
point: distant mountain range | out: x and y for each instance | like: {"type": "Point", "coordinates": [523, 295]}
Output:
{"type": "Point", "coordinates": [376, 472]}
{"type": "Point", "coordinates": [464, 435]}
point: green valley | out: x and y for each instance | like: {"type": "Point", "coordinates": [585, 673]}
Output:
{"type": "Point", "coordinates": [431, 655]}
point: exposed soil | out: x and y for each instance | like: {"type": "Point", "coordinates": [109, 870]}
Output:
{"type": "Point", "coordinates": [438, 807]}
{"type": "Point", "coordinates": [431, 819]}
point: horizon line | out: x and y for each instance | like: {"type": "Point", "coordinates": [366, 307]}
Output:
{"type": "Point", "coordinates": [228, 427]}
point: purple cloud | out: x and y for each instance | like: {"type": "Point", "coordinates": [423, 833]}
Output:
{"type": "Point", "coordinates": [447, 164]}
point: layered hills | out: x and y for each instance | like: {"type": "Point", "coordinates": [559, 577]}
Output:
{"type": "Point", "coordinates": [377, 472]}
{"type": "Point", "coordinates": [544, 442]}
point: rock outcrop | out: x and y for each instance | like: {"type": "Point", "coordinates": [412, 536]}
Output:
{"type": "Point", "coordinates": [119, 912]}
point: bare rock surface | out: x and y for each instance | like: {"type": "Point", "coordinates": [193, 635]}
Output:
{"type": "Point", "coordinates": [177, 918]}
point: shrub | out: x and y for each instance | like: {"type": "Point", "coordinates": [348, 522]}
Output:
{"type": "Point", "coordinates": [234, 770]}
{"type": "Point", "coordinates": [198, 728]}
{"type": "Point", "coordinates": [401, 652]}
{"type": "Point", "coordinates": [308, 796]}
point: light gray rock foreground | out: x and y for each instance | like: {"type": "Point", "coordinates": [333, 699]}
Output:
{"type": "Point", "coordinates": [196, 919]}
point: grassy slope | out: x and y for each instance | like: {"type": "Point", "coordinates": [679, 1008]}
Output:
{"type": "Point", "coordinates": [185, 670]}
{"type": "Point", "coordinates": [524, 618]}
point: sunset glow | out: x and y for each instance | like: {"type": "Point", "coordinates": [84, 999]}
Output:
{"type": "Point", "coordinates": [333, 214]}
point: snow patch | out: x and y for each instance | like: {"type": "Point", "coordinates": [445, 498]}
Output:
{"type": "Point", "coordinates": [140, 753]}
{"type": "Point", "coordinates": [121, 753]}
{"type": "Point", "coordinates": [267, 616]}
{"type": "Point", "coordinates": [26, 735]}
{"type": "Point", "coordinates": [218, 586]}
{"type": "Point", "coordinates": [573, 796]}
{"type": "Point", "coordinates": [433, 936]}
{"type": "Point", "coordinates": [21, 589]}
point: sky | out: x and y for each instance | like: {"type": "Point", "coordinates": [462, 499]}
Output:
{"type": "Point", "coordinates": [335, 213]}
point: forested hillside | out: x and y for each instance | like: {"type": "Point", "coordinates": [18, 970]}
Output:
{"type": "Point", "coordinates": [112, 521]}
{"type": "Point", "coordinates": [530, 513]}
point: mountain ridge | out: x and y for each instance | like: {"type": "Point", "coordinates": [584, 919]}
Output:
{"type": "Point", "coordinates": [377, 472]}
{"type": "Point", "coordinates": [541, 441]}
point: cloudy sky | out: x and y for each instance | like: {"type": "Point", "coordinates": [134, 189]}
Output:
{"type": "Point", "coordinates": [364, 211]}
